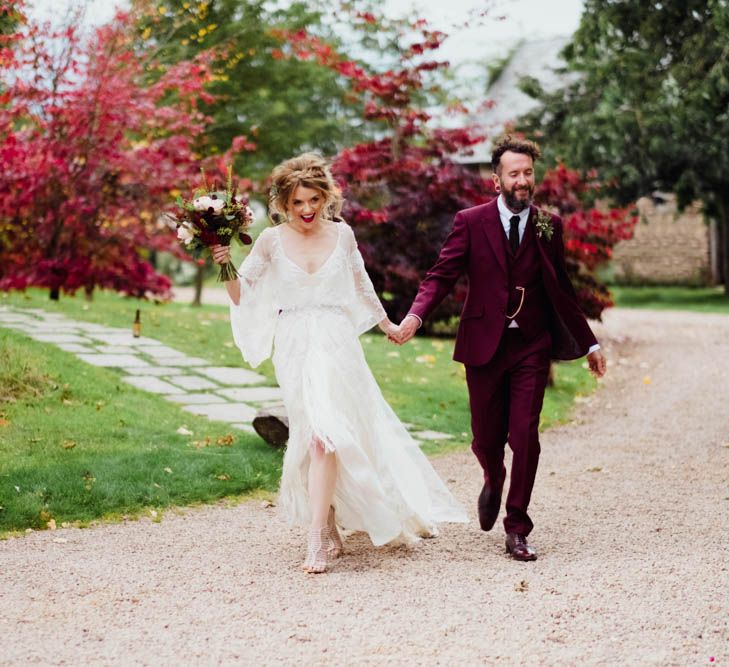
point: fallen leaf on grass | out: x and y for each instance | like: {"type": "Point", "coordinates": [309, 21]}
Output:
{"type": "Point", "coordinates": [226, 440]}
{"type": "Point", "coordinates": [223, 477]}
{"type": "Point", "coordinates": [183, 431]}
{"type": "Point", "coordinates": [522, 586]}
{"type": "Point", "coordinates": [394, 353]}
{"type": "Point", "coordinates": [68, 444]}
{"type": "Point", "coordinates": [168, 470]}
{"type": "Point", "coordinates": [4, 422]}
{"type": "Point", "coordinates": [51, 525]}
{"type": "Point", "coordinates": [425, 359]}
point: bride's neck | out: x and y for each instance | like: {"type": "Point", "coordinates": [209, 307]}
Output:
{"type": "Point", "coordinates": [307, 231]}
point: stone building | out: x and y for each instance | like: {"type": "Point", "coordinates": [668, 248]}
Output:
{"type": "Point", "coordinates": [668, 247]}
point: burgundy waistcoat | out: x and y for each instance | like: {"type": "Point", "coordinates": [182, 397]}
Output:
{"type": "Point", "coordinates": [525, 271]}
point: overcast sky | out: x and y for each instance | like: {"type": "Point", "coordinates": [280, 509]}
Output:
{"type": "Point", "coordinates": [524, 19]}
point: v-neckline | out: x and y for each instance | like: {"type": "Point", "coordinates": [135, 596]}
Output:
{"type": "Point", "coordinates": [301, 268]}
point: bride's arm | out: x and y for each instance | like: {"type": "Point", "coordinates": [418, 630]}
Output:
{"type": "Point", "coordinates": [221, 255]}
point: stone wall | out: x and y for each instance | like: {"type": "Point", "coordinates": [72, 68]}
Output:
{"type": "Point", "coordinates": [668, 247]}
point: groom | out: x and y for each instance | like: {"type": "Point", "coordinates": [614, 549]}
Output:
{"type": "Point", "coordinates": [520, 312]}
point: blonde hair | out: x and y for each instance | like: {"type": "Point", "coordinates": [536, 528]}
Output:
{"type": "Point", "coordinates": [310, 171]}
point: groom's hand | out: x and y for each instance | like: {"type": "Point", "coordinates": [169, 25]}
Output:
{"type": "Point", "coordinates": [406, 330]}
{"type": "Point", "coordinates": [597, 362]}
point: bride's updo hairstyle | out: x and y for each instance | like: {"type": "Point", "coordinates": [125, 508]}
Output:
{"type": "Point", "coordinates": [311, 171]}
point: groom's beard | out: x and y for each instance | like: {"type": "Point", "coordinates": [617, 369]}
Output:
{"type": "Point", "coordinates": [515, 199]}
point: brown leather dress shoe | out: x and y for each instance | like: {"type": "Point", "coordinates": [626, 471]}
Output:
{"type": "Point", "coordinates": [517, 546]}
{"type": "Point", "coordinates": [489, 502]}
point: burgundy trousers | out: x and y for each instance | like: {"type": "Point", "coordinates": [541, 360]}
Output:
{"type": "Point", "coordinates": [506, 396]}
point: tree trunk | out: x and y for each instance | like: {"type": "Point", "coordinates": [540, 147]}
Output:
{"type": "Point", "coordinates": [54, 294]}
{"type": "Point", "coordinates": [199, 277]}
{"type": "Point", "coordinates": [89, 292]}
{"type": "Point", "coordinates": [722, 211]}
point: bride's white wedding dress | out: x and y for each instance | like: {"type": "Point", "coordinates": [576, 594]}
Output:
{"type": "Point", "coordinates": [385, 484]}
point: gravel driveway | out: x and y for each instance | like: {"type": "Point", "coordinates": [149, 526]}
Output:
{"type": "Point", "coordinates": [630, 508]}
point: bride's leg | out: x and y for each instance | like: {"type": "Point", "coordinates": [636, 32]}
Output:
{"type": "Point", "coordinates": [322, 481]}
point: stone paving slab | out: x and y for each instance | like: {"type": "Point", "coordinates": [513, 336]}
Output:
{"type": "Point", "coordinates": [190, 382]}
{"type": "Point", "coordinates": [14, 317]}
{"type": "Point", "coordinates": [115, 349]}
{"type": "Point", "coordinates": [194, 399]}
{"type": "Point", "coordinates": [233, 413]}
{"type": "Point", "coordinates": [254, 394]}
{"type": "Point", "coordinates": [187, 361]}
{"type": "Point", "coordinates": [159, 351]}
{"type": "Point", "coordinates": [126, 339]}
{"type": "Point", "coordinates": [17, 326]}
{"type": "Point", "coordinates": [229, 375]}
{"type": "Point", "coordinates": [151, 370]}
{"type": "Point", "coordinates": [113, 360]}
{"type": "Point", "coordinates": [58, 338]}
{"type": "Point", "coordinates": [152, 384]}
{"type": "Point", "coordinates": [76, 348]}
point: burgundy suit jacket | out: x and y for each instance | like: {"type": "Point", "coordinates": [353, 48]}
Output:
{"type": "Point", "coordinates": [475, 247]}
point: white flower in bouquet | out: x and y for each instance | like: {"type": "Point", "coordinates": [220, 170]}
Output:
{"type": "Point", "coordinates": [204, 203]}
{"type": "Point", "coordinates": [185, 234]}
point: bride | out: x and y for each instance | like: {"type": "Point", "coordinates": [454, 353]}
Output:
{"type": "Point", "coordinates": [349, 460]}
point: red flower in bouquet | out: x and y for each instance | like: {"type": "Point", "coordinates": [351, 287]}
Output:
{"type": "Point", "coordinates": [214, 217]}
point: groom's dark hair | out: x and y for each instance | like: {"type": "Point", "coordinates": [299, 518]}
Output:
{"type": "Point", "coordinates": [515, 145]}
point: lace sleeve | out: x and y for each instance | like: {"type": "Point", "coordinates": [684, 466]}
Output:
{"type": "Point", "coordinates": [365, 310]}
{"type": "Point", "coordinates": [253, 320]}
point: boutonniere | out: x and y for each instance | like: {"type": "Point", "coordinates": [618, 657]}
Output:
{"type": "Point", "coordinates": [544, 225]}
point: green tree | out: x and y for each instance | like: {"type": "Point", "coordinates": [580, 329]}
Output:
{"type": "Point", "coordinates": [648, 102]}
{"type": "Point", "coordinates": [282, 106]}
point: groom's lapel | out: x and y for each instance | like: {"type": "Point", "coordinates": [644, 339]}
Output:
{"type": "Point", "coordinates": [494, 231]}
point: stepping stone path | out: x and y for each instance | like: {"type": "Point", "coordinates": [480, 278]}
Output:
{"type": "Point", "coordinates": [221, 393]}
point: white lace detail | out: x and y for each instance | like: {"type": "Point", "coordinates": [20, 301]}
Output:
{"type": "Point", "coordinates": [385, 484]}
{"type": "Point", "coordinates": [366, 311]}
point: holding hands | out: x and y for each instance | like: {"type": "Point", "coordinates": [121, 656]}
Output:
{"type": "Point", "coordinates": [404, 332]}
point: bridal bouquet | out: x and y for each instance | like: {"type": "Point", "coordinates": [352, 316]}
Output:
{"type": "Point", "coordinates": [214, 217]}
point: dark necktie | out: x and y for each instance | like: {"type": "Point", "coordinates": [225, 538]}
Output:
{"type": "Point", "coordinates": [514, 233]}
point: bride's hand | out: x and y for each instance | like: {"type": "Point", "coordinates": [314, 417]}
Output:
{"type": "Point", "coordinates": [389, 329]}
{"type": "Point", "coordinates": [221, 254]}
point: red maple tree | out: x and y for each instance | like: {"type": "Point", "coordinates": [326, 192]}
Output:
{"type": "Point", "coordinates": [93, 139]}
{"type": "Point", "coordinates": [403, 189]}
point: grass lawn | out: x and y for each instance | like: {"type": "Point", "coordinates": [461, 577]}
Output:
{"type": "Point", "coordinates": [81, 444]}
{"type": "Point", "coordinates": [76, 444]}
{"type": "Point", "coordinates": [700, 299]}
